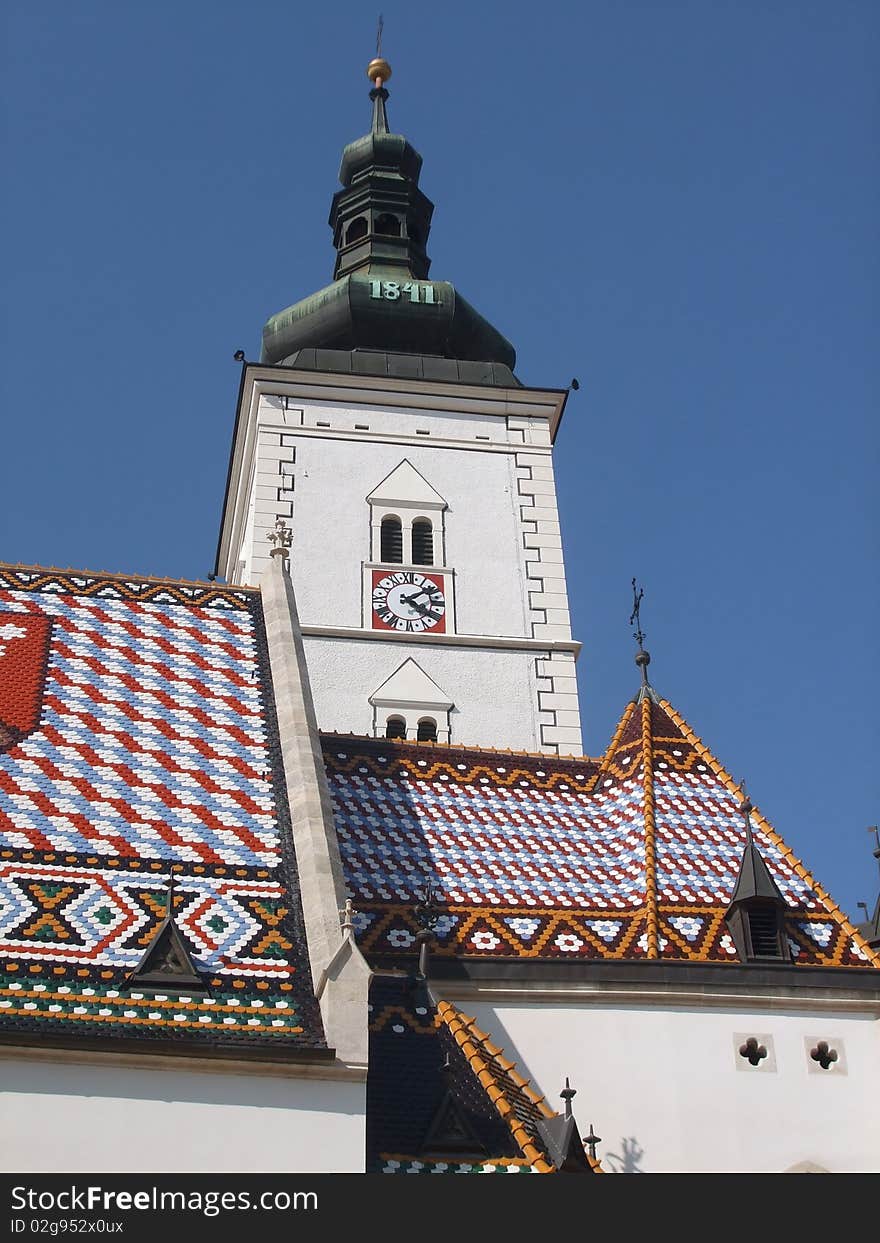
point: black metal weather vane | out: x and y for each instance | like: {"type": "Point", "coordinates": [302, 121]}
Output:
{"type": "Point", "coordinates": [379, 28]}
{"type": "Point", "coordinates": [635, 621]}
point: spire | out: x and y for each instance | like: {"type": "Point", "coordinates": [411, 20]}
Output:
{"type": "Point", "coordinates": [754, 880]}
{"type": "Point", "coordinates": [870, 929]}
{"type": "Point", "coordinates": [379, 71]}
{"type": "Point", "coordinates": [754, 915]}
{"type": "Point", "coordinates": [592, 1142]}
{"type": "Point", "coordinates": [562, 1142]}
{"type": "Point", "coordinates": [381, 217]}
{"type": "Point", "coordinates": [643, 659]}
{"type": "Point", "coordinates": [568, 1094]}
{"type": "Point", "coordinates": [381, 314]}
{"type": "Point", "coordinates": [427, 915]}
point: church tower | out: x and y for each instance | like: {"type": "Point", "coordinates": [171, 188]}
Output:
{"type": "Point", "coordinates": [385, 426]}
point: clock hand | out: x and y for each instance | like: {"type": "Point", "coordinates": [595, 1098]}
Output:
{"type": "Point", "coordinates": [423, 609]}
{"type": "Point", "coordinates": [419, 608]}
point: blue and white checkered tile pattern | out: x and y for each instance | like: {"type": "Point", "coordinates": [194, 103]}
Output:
{"type": "Point", "coordinates": [137, 737]}
{"type": "Point", "coordinates": [152, 741]}
{"type": "Point", "coordinates": [701, 828]}
{"type": "Point", "coordinates": [490, 845]}
{"type": "Point", "coordinates": [532, 857]}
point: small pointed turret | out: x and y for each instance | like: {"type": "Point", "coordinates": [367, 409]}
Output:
{"type": "Point", "coordinates": [754, 914]}
{"type": "Point", "coordinates": [166, 962]}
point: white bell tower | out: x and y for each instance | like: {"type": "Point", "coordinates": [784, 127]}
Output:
{"type": "Point", "coordinates": [385, 425]}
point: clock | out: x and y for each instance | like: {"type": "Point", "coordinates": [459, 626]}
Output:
{"type": "Point", "coordinates": [408, 601]}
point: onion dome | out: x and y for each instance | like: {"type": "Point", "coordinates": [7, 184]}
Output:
{"type": "Point", "coordinates": [381, 301]}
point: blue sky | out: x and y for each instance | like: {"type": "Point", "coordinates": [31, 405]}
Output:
{"type": "Point", "coordinates": [674, 201]}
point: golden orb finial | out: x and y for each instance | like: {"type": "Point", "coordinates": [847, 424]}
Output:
{"type": "Point", "coordinates": [378, 71]}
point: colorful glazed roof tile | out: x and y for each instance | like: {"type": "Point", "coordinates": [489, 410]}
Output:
{"type": "Point", "coordinates": [441, 1097]}
{"type": "Point", "coordinates": [634, 856]}
{"type": "Point", "coordinates": [137, 735]}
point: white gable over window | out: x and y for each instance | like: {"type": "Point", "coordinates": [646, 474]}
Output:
{"type": "Point", "coordinates": [409, 694]}
{"type": "Point", "coordinates": [406, 498]}
{"type": "Point", "coordinates": [406, 488]}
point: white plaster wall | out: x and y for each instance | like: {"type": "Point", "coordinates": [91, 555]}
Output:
{"type": "Point", "coordinates": [667, 1092]}
{"type": "Point", "coordinates": [493, 691]}
{"type": "Point", "coordinates": [331, 531]}
{"type": "Point", "coordinates": [314, 463]}
{"type": "Point", "coordinates": [79, 1118]}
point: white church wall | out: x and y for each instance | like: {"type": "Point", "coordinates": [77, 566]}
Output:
{"type": "Point", "coordinates": [498, 545]}
{"type": "Point", "coordinates": [123, 1119]}
{"type": "Point", "coordinates": [493, 709]}
{"type": "Point", "coordinates": [666, 1089]}
{"type": "Point", "coordinates": [331, 530]}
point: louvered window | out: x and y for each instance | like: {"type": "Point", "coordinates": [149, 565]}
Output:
{"type": "Point", "coordinates": [427, 730]}
{"type": "Point", "coordinates": [392, 541]}
{"type": "Point", "coordinates": [764, 932]}
{"type": "Point", "coordinates": [395, 727]}
{"type": "Point", "coordinates": [422, 542]}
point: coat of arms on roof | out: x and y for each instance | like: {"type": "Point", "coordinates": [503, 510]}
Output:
{"type": "Point", "coordinates": [24, 656]}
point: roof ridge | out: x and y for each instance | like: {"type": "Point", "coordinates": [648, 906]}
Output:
{"type": "Point", "coordinates": [463, 1030]}
{"type": "Point", "coordinates": [724, 776]}
{"type": "Point", "coordinates": [126, 576]}
{"type": "Point", "coordinates": [609, 751]}
{"type": "Point", "coordinates": [648, 807]}
{"type": "Point", "coordinates": [441, 745]}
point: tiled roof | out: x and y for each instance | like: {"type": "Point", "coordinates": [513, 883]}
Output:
{"type": "Point", "coordinates": [633, 856]}
{"type": "Point", "coordinates": [425, 1054]}
{"type": "Point", "coordinates": [137, 733]}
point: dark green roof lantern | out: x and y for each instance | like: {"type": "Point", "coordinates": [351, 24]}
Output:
{"type": "Point", "coordinates": [381, 215]}
{"type": "Point", "coordinates": [381, 299]}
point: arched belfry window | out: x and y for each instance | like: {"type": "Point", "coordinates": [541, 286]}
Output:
{"type": "Point", "coordinates": [388, 225]}
{"type": "Point", "coordinates": [422, 542]}
{"type": "Point", "coordinates": [405, 503]}
{"type": "Point", "coordinates": [410, 704]}
{"type": "Point", "coordinates": [356, 230]}
{"type": "Point", "coordinates": [392, 541]}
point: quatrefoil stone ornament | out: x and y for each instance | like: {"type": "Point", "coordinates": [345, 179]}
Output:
{"type": "Point", "coordinates": [825, 1056]}
{"type": "Point", "coordinates": [753, 1052]}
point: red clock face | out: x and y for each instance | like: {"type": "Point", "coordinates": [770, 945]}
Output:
{"type": "Point", "coordinates": [408, 601]}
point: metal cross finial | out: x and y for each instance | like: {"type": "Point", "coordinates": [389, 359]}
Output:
{"type": "Point", "coordinates": [427, 912]}
{"type": "Point", "coordinates": [746, 808]}
{"type": "Point", "coordinates": [567, 1093]}
{"type": "Point", "coordinates": [280, 538]}
{"type": "Point", "coordinates": [592, 1141]}
{"type": "Point", "coordinates": [169, 901]}
{"type": "Point", "coordinates": [379, 28]}
{"type": "Point", "coordinates": [634, 618]}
